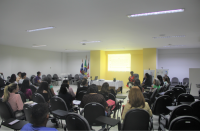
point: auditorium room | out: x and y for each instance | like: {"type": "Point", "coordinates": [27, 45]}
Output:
{"type": "Point", "coordinates": [99, 65]}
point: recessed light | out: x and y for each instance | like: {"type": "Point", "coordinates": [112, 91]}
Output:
{"type": "Point", "coordinates": [174, 45]}
{"type": "Point", "coordinates": [176, 36]}
{"type": "Point", "coordinates": [38, 45]}
{"type": "Point", "coordinates": [45, 28]}
{"type": "Point", "coordinates": [156, 13]}
{"type": "Point", "coordinates": [70, 50]}
{"type": "Point", "coordinates": [90, 42]}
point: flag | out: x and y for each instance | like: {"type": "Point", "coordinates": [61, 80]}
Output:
{"type": "Point", "coordinates": [81, 66]}
{"type": "Point", "coordinates": [88, 74]}
{"type": "Point", "coordinates": [85, 67]}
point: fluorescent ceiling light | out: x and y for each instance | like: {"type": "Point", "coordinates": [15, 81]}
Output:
{"type": "Point", "coordinates": [71, 50]}
{"type": "Point", "coordinates": [45, 28]}
{"type": "Point", "coordinates": [90, 42]}
{"type": "Point", "coordinates": [156, 13]}
{"type": "Point", "coordinates": [39, 45]}
{"type": "Point", "coordinates": [174, 46]}
{"type": "Point", "coordinates": [176, 36]}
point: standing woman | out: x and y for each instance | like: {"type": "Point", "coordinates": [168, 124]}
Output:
{"type": "Point", "coordinates": [13, 79]}
{"type": "Point", "coordinates": [19, 77]}
{"type": "Point", "coordinates": [13, 99]}
{"type": "Point", "coordinates": [26, 89]}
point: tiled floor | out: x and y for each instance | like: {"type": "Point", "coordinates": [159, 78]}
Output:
{"type": "Point", "coordinates": [49, 124]}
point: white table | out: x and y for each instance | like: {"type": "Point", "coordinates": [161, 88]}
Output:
{"type": "Point", "coordinates": [116, 84]}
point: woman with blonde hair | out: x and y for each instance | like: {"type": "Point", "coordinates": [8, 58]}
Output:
{"type": "Point", "coordinates": [136, 100]}
{"type": "Point", "coordinates": [13, 99]}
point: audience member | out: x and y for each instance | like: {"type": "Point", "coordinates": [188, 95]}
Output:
{"type": "Point", "coordinates": [146, 81]}
{"type": "Point", "coordinates": [48, 80]}
{"type": "Point", "coordinates": [137, 83]}
{"type": "Point", "coordinates": [40, 116]}
{"type": "Point", "coordinates": [26, 89]}
{"type": "Point", "coordinates": [18, 77]}
{"type": "Point", "coordinates": [156, 84]}
{"type": "Point", "coordinates": [13, 79]}
{"type": "Point", "coordinates": [160, 79]}
{"type": "Point", "coordinates": [136, 100]}
{"type": "Point", "coordinates": [2, 82]}
{"type": "Point", "coordinates": [38, 79]}
{"type": "Point", "coordinates": [84, 86]}
{"type": "Point", "coordinates": [23, 76]}
{"type": "Point", "coordinates": [105, 89]}
{"type": "Point", "coordinates": [1, 75]}
{"type": "Point", "coordinates": [168, 79]}
{"type": "Point", "coordinates": [93, 96]}
{"type": "Point", "coordinates": [13, 99]}
{"type": "Point", "coordinates": [71, 91]}
{"type": "Point", "coordinates": [82, 75]}
{"type": "Point", "coordinates": [165, 81]}
{"type": "Point", "coordinates": [67, 97]}
{"type": "Point", "coordinates": [43, 90]}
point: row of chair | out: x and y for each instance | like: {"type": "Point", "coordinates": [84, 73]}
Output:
{"type": "Point", "coordinates": [175, 81]}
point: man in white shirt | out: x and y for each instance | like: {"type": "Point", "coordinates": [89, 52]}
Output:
{"type": "Point", "coordinates": [82, 75]}
{"type": "Point", "coordinates": [23, 75]}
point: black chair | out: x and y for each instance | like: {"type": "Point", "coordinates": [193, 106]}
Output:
{"type": "Point", "coordinates": [33, 89]}
{"type": "Point", "coordinates": [56, 78]}
{"type": "Point", "coordinates": [44, 76]}
{"type": "Point", "coordinates": [146, 95]}
{"type": "Point", "coordinates": [196, 106]}
{"type": "Point", "coordinates": [152, 98]}
{"type": "Point", "coordinates": [33, 76]}
{"type": "Point", "coordinates": [76, 122]}
{"type": "Point", "coordinates": [184, 98]}
{"type": "Point", "coordinates": [183, 87]}
{"type": "Point", "coordinates": [28, 112]}
{"type": "Point", "coordinates": [170, 93]}
{"type": "Point", "coordinates": [174, 81]}
{"type": "Point", "coordinates": [92, 111]}
{"type": "Point", "coordinates": [178, 91]}
{"type": "Point", "coordinates": [137, 119]}
{"type": "Point", "coordinates": [182, 110]}
{"type": "Point", "coordinates": [38, 98]}
{"type": "Point", "coordinates": [148, 101]}
{"type": "Point", "coordinates": [1, 91]}
{"type": "Point", "coordinates": [162, 89]}
{"type": "Point", "coordinates": [70, 78]}
{"type": "Point", "coordinates": [80, 95]}
{"type": "Point", "coordinates": [49, 76]}
{"type": "Point", "coordinates": [185, 123]}
{"type": "Point", "coordinates": [159, 106]}
{"type": "Point", "coordinates": [23, 97]}
{"type": "Point", "coordinates": [185, 81]}
{"type": "Point", "coordinates": [117, 104]}
{"type": "Point", "coordinates": [106, 97]}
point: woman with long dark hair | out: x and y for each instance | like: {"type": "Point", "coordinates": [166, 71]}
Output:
{"type": "Point", "coordinates": [43, 90]}
{"type": "Point", "coordinates": [13, 79]}
{"type": "Point", "coordinates": [26, 89]}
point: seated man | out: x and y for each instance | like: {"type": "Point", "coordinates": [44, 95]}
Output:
{"type": "Point", "coordinates": [82, 75]}
{"type": "Point", "coordinates": [38, 79]}
{"type": "Point", "coordinates": [23, 76]}
{"type": "Point", "coordinates": [40, 116]}
{"type": "Point", "coordinates": [131, 80]}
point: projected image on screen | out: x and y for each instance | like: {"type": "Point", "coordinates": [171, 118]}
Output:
{"type": "Point", "coordinates": [119, 62]}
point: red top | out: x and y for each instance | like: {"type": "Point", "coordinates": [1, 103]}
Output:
{"type": "Point", "coordinates": [132, 78]}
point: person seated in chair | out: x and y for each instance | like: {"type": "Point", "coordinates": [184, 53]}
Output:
{"type": "Point", "coordinates": [84, 84]}
{"type": "Point", "coordinates": [131, 80]}
{"type": "Point", "coordinates": [137, 83]}
{"type": "Point", "coordinates": [19, 77]}
{"type": "Point", "coordinates": [146, 81]}
{"type": "Point", "coordinates": [165, 81]}
{"type": "Point", "coordinates": [48, 80]}
{"type": "Point", "coordinates": [43, 90]}
{"type": "Point", "coordinates": [13, 79]}
{"type": "Point", "coordinates": [160, 79]}
{"type": "Point", "coordinates": [40, 116]}
{"type": "Point", "coordinates": [71, 91]}
{"type": "Point", "coordinates": [105, 90]}
{"type": "Point", "coordinates": [136, 100]}
{"type": "Point", "coordinates": [2, 82]}
{"type": "Point", "coordinates": [23, 75]}
{"type": "Point", "coordinates": [12, 98]}
{"type": "Point", "coordinates": [26, 89]}
{"type": "Point", "coordinates": [156, 84]}
{"type": "Point", "coordinates": [38, 79]}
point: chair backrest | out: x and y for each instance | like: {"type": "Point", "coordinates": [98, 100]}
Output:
{"type": "Point", "coordinates": [160, 104]}
{"type": "Point", "coordinates": [5, 110]}
{"type": "Point", "coordinates": [23, 97]}
{"type": "Point", "coordinates": [44, 76]}
{"type": "Point", "coordinates": [162, 89]}
{"type": "Point", "coordinates": [49, 76]}
{"type": "Point", "coordinates": [178, 91]}
{"type": "Point", "coordinates": [38, 98]}
{"type": "Point", "coordinates": [139, 117]}
{"type": "Point", "coordinates": [170, 93]}
{"type": "Point", "coordinates": [80, 95]}
{"type": "Point", "coordinates": [33, 89]}
{"type": "Point", "coordinates": [28, 112]}
{"type": "Point", "coordinates": [182, 110]}
{"type": "Point", "coordinates": [33, 81]}
{"type": "Point", "coordinates": [104, 95]}
{"type": "Point", "coordinates": [148, 101]}
{"type": "Point", "coordinates": [185, 123]}
{"type": "Point", "coordinates": [76, 77]}
{"type": "Point", "coordinates": [136, 76]}
{"type": "Point", "coordinates": [185, 98]}
{"type": "Point", "coordinates": [58, 103]}
{"type": "Point", "coordinates": [92, 111]}
{"type": "Point", "coordinates": [1, 91]}
{"type": "Point", "coordinates": [175, 81]}
{"type": "Point", "coordinates": [150, 77]}
{"type": "Point", "coordinates": [152, 98]}
{"type": "Point", "coordinates": [196, 107]}
{"type": "Point", "coordinates": [55, 76]}
{"type": "Point", "coordinates": [77, 122]}
{"type": "Point", "coordinates": [33, 76]}
{"type": "Point", "coordinates": [167, 87]}
{"type": "Point", "coordinates": [185, 80]}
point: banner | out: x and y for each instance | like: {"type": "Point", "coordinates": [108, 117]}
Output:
{"type": "Point", "coordinates": [162, 72]}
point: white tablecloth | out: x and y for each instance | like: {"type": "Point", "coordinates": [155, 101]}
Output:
{"type": "Point", "coordinates": [116, 84]}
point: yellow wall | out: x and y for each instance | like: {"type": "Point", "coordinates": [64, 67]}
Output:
{"type": "Point", "coordinates": [103, 64]}
{"type": "Point", "coordinates": [94, 63]}
{"type": "Point", "coordinates": [149, 59]}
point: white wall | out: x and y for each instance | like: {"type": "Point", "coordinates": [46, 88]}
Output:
{"type": "Point", "coordinates": [194, 79]}
{"type": "Point", "coordinates": [14, 59]}
{"type": "Point", "coordinates": [178, 61]}
{"type": "Point", "coordinates": [74, 61]}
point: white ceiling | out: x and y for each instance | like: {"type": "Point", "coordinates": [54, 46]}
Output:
{"type": "Point", "coordinates": [104, 20]}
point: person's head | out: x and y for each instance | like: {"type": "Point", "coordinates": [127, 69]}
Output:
{"type": "Point", "coordinates": [165, 79]}
{"type": "Point", "coordinates": [63, 89]}
{"type": "Point", "coordinates": [65, 82]}
{"type": "Point", "coordinates": [82, 72]}
{"type": "Point", "coordinates": [23, 75]}
{"type": "Point", "coordinates": [12, 78]}
{"type": "Point", "coordinates": [38, 73]}
{"type": "Point", "coordinates": [84, 82]}
{"type": "Point", "coordinates": [40, 115]}
{"type": "Point", "coordinates": [137, 82]}
{"type": "Point", "coordinates": [47, 79]}
{"type": "Point", "coordinates": [19, 74]}
{"type": "Point", "coordinates": [92, 89]}
{"type": "Point", "coordinates": [156, 82]}
{"type": "Point", "coordinates": [131, 73]}
{"type": "Point", "coordinates": [25, 85]}
{"type": "Point", "coordinates": [12, 88]}
{"type": "Point", "coordinates": [136, 98]}
{"type": "Point", "coordinates": [43, 86]}
{"type": "Point", "coordinates": [105, 87]}
{"type": "Point", "coordinates": [146, 75]}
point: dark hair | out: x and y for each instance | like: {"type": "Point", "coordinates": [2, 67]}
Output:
{"type": "Point", "coordinates": [12, 78]}
{"type": "Point", "coordinates": [23, 74]}
{"type": "Point", "coordinates": [43, 86]}
{"type": "Point", "coordinates": [65, 82]}
{"type": "Point", "coordinates": [137, 82]}
{"type": "Point", "coordinates": [47, 79]}
{"type": "Point", "coordinates": [166, 79]}
{"type": "Point", "coordinates": [39, 114]}
{"type": "Point", "coordinates": [136, 98]}
{"type": "Point", "coordinates": [25, 85]}
{"type": "Point", "coordinates": [65, 85]}
{"type": "Point", "coordinates": [92, 89]}
{"type": "Point", "coordinates": [7, 90]}
{"type": "Point", "coordinates": [38, 73]}
{"type": "Point", "coordinates": [18, 73]}
{"type": "Point", "coordinates": [131, 72]}
{"type": "Point", "coordinates": [84, 81]}
{"type": "Point", "coordinates": [147, 75]}
{"type": "Point", "coordinates": [63, 89]}
{"type": "Point", "coordinates": [160, 79]}
{"type": "Point", "coordinates": [105, 88]}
